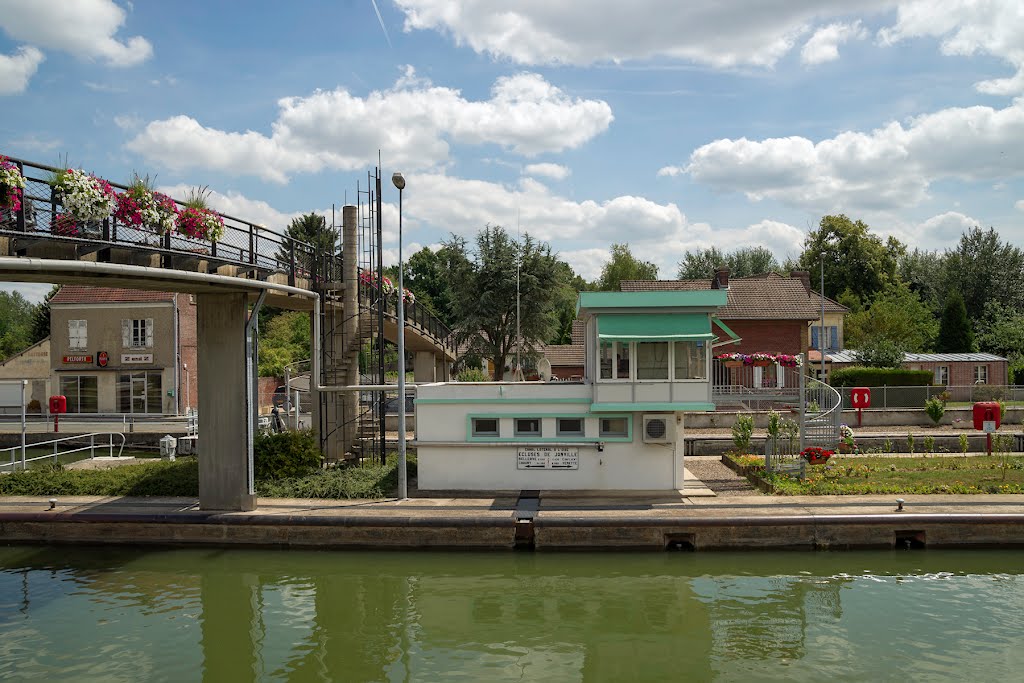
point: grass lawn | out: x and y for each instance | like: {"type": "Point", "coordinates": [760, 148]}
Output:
{"type": "Point", "coordinates": [868, 475]}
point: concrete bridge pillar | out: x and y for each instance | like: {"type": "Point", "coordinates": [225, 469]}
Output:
{"type": "Point", "coordinates": [423, 367]}
{"type": "Point", "coordinates": [224, 437]}
{"type": "Point", "coordinates": [442, 369]}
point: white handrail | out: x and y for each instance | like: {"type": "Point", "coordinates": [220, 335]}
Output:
{"type": "Point", "coordinates": [91, 448]}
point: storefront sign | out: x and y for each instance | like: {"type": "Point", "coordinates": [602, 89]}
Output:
{"type": "Point", "coordinates": [80, 358]}
{"type": "Point", "coordinates": [102, 358]}
{"type": "Point", "coordinates": [548, 458]}
{"type": "Point", "coordinates": [136, 358]}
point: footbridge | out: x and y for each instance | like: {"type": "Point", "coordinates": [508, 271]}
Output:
{"type": "Point", "coordinates": [247, 267]}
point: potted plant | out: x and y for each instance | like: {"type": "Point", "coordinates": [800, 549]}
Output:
{"type": "Point", "coordinates": [761, 360]}
{"type": "Point", "coordinates": [85, 199]}
{"type": "Point", "coordinates": [847, 444]}
{"type": "Point", "coordinates": [197, 220]}
{"type": "Point", "coordinates": [140, 206]}
{"type": "Point", "coordinates": [816, 455]}
{"type": "Point", "coordinates": [731, 360]}
{"type": "Point", "coordinates": [12, 185]}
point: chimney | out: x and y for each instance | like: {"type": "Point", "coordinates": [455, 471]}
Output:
{"type": "Point", "coordinates": [721, 279]}
{"type": "Point", "coordinates": [804, 277]}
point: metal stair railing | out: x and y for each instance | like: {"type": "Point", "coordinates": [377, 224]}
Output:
{"type": "Point", "coordinates": [821, 427]}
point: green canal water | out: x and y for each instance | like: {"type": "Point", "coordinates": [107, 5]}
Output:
{"type": "Point", "coordinates": [72, 614]}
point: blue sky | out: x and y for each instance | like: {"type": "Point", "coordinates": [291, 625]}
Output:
{"type": "Point", "coordinates": [666, 126]}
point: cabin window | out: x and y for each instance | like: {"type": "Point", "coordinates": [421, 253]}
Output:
{"type": "Point", "coordinates": [485, 426]}
{"type": "Point", "coordinates": [614, 426]}
{"type": "Point", "coordinates": [981, 374]}
{"type": "Point", "coordinates": [652, 360]}
{"type": "Point", "coordinates": [942, 375]}
{"type": "Point", "coordinates": [527, 426]}
{"type": "Point", "coordinates": [569, 426]}
{"type": "Point", "coordinates": [691, 360]}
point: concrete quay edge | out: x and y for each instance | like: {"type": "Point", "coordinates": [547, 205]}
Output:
{"type": "Point", "coordinates": [769, 523]}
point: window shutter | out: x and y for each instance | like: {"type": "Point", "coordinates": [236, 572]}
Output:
{"type": "Point", "coordinates": [149, 332]}
{"type": "Point", "coordinates": [814, 336]}
{"type": "Point", "coordinates": [83, 332]}
{"type": "Point", "coordinates": [126, 333]}
{"type": "Point", "coordinates": [72, 333]}
{"type": "Point", "coordinates": [833, 337]}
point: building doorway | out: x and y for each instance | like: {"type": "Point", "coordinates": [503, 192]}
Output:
{"type": "Point", "coordinates": [140, 392]}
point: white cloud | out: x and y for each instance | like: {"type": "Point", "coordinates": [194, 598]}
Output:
{"type": "Point", "coordinates": [556, 171]}
{"type": "Point", "coordinates": [411, 124]}
{"type": "Point", "coordinates": [823, 46]}
{"type": "Point", "coordinates": [235, 204]}
{"type": "Point", "coordinates": [1019, 205]}
{"type": "Point", "coordinates": [670, 171]}
{"type": "Point", "coordinates": [889, 167]}
{"type": "Point", "coordinates": [992, 27]}
{"type": "Point", "coordinates": [16, 70]}
{"type": "Point", "coordinates": [36, 143]}
{"type": "Point", "coordinates": [944, 228]}
{"type": "Point", "coordinates": [721, 34]}
{"type": "Point", "coordinates": [83, 28]}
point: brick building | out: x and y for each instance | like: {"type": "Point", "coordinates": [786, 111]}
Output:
{"type": "Point", "coordinates": [771, 313]}
{"type": "Point", "coordinates": [123, 351]}
{"type": "Point", "coordinates": [948, 369]}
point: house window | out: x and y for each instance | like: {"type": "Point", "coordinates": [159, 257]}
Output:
{"type": "Point", "coordinates": [614, 426]}
{"type": "Point", "coordinates": [569, 426]}
{"type": "Point", "coordinates": [981, 374]}
{"type": "Point", "coordinates": [527, 426]}
{"type": "Point", "coordinates": [78, 337]}
{"type": "Point", "coordinates": [830, 338]}
{"type": "Point", "coordinates": [691, 360]}
{"type": "Point", "coordinates": [137, 333]}
{"type": "Point", "coordinates": [942, 375]}
{"type": "Point", "coordinates": [485, 426]}
{"type": "Point", "coordinates": [652, 360]}
{"type": "Point", "coordinates": [82, 393]}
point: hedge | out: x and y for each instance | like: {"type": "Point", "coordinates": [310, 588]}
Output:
{"type": "Point", "coordinates": [880, 377]}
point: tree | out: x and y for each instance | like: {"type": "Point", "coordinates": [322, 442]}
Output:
{"type": "Point", "coordinates": [484, 294]}
{"type": "Point", "coordinates": [896, 315]}
{"type": "Point", "coordinates": [285, 341]}
{"type": "Point", "coordinates": [955, 334]}
{"type": "Point", "coordinates": [983, 268]}
{"type": "Point", "coordinates": [15, 324]}
{"type": "Point", "coordinates": [624, 266]}
{"type": "Point", "coordinates": [1001, 331]}
{"type": "Point", "coordinates": [854, 258]}
{"type": "Point", "coordinates": [923, 272]}
{"type": "Point", "coordinates": [427, 276]}
{"type": "Point", "coordinates": [880, 353]}
{"type": "Point", "coordinates": [700, 264]}
{"type": "Point", "coordinates": [312, 229]}
{"type": "Point", "coordinates": [564, 302]}
{"type": "Point", "coordinates": [41, 317]}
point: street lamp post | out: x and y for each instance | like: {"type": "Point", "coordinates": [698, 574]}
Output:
{"type": "Point", "coordinates": [403, 491]}
{"type": "Point", "coordinates": [821, 330]}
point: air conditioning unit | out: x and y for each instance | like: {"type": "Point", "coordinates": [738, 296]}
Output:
{"type": "Point", "coordinates": [659, 429]}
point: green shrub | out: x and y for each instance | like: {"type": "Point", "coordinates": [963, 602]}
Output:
{"type": "Point", "coordinates": [929, 444]}
{"type": "Point", "coordinates": [472, 375]}
{"type": "Point", "coordinates": [887, 446]}
{"type": "Point", "coordinates": [910, 444]}
{"type": "Point", "coordinates": [179, 478]}
{"type": "Point", "coordinates": [287, 454]}
{"type": "Point", "coordinates": [963, 443]}
{"type": "Point", "coordinates": [935, 408]}
{"type": "Point", "coordinates": [341, 482]}
{"type": "Point", "coordinates": [742, 430]}
{"type": "Point", "coordinates": [858, 376]}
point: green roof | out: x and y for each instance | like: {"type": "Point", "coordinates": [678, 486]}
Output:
{"type": "Point", "coordinates": [654, 326]}
{"type": "Point", "coordinates": [596, 301]}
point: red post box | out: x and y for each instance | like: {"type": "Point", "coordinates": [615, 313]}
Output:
{"type": "Point", "coordinates": [58, 405]}
{"type": "Point", "coordinates": [860, 397]}
{"type": "Point", "coordinates": [987, 419]}
{"type": "Point", "coordinates": [986, 411]}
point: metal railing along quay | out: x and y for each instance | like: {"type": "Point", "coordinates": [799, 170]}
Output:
{"type": "Point", "coordinates": [915, 397]}
{"type": "Point", "coordinates": [18, 454]}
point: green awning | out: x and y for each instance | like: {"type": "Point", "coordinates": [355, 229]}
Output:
{"type": "Point", "coordinates": [654, 327]}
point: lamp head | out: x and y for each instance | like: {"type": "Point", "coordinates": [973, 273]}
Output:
{"type": "Point", "coordinates": [399, 180]}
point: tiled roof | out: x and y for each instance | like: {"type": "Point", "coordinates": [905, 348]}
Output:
{"type": "Point", "coordinates": [564, 355]}
{"type": "Point", "coordinates": [849, 356]}
{"type": "Point", "coordinates": [578, 330]}
{"type": "Point", "coordinates": [80, 294]}
{"type": "Point", "coordinates": [760, 297]}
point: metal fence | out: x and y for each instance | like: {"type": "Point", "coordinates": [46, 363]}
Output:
{"type": "Point", "coordinates": [915, 397]}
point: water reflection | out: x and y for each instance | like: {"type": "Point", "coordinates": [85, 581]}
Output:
{"type": "Point", "coordinates": [306, 616]}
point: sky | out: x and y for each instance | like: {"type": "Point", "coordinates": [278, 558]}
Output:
{"type": "Point", "coordinates": [662, 124]}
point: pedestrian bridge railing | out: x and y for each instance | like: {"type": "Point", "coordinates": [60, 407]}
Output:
{"type": "Point", "coordinates": [103, 443]}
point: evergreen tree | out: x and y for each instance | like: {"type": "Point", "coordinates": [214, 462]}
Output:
{"type": "Point", "coordinates": [624, 266]}
{"type": "Point", "coordinates": [955, 334]}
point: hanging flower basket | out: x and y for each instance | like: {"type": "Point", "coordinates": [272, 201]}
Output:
{"type": "Point", "coordinates": [734, 364]}
{"type": "Point", "coordinates": [140, 207]}
{"type": "Point", "coordinates": [199, 223]}
{"type": "Point", "coordinates": [12, 184]}
{"type": "Point", "coordinates": [84, 197]}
